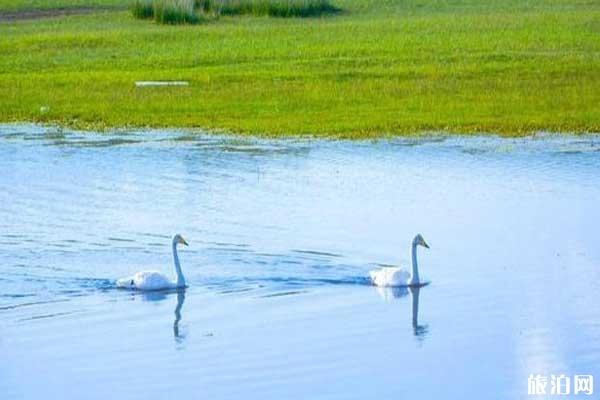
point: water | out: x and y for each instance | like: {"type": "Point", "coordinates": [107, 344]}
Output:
{"type": "Point", "coordinates": [282, 236]}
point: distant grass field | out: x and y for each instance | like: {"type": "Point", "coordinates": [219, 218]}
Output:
{"type": "Point", "coordinates": [378, 67]}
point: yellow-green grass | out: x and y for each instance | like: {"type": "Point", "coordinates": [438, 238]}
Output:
{"type": "Point", "coordinates": [379, 67]}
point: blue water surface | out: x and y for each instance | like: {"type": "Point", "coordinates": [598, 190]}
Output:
{"type": "Point", "coordinates": [282, 236]}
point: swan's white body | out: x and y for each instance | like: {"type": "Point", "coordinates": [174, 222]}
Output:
{"type": "Point", "coordinates": [390, 276]}
{"type": "Point", "coordinates": [155, 280]}
{"type": "Point", "coordinates": [147, 280]}
{"type": "Point", "coordinates": [394, 276]}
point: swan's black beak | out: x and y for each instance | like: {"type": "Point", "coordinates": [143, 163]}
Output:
{"type": "Point", "coordinates": [184, 242]}
{"type": "Point", "coordinates": [425, 244]}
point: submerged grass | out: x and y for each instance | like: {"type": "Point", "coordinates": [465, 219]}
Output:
{"type": "Point", "coordinates": [381, 67]}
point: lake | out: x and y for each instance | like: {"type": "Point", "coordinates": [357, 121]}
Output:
{"type": "Point", "coordinates": [283, 234]}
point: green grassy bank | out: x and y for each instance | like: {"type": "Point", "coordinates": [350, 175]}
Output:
{"type": "Point", "coordinates": [378, 67]}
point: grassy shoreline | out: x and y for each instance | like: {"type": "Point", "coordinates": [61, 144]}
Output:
{"type": "Point", "coordinates": [380, 68]}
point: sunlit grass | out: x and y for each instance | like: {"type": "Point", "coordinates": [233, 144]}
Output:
{"type": "Point", "coordinates": [380, 67]}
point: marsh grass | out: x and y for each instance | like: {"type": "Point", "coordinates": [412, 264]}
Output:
{"type": "Point", "coordinates": [192, 11]}
{"type": "Point", "coordinates": [142, 9]}
{"type": "Point", "coordinates": [166, 11]}
{"type": "Point", "coordinates": [277, 8]}
{"type": "Point", "coordinates": [175, 12]}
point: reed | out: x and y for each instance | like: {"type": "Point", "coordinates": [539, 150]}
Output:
{"type": "Point", "coordinates": [166, 11]}
{"type": "Point", "coordinates": [276, 8]}
{"type": "Point", "coordinates": [175, 12]}
{"type": "Point", "coordinates": [142, 9]}
{"type": "Point", "coordinates": [190, 11]}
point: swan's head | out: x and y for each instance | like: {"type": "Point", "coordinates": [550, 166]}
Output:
{"type": "Point", "coordinates": [178, 239]}
{"type": "Point", "coordinates": [419, 241]}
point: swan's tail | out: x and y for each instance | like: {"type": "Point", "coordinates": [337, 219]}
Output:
{"type": "Point", "coordinates": [373, 277]}
{"type": "Point", "coordinates": [125, 283]}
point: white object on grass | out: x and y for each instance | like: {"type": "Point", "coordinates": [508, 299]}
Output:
{"type": "Point", "coordinates": [161, 83]}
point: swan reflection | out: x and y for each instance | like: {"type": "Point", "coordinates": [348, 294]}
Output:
{"type": "Point", "coordinates": [179, 337]}
{"type": "Point", "coordinates": [158, 295]}
{"type": "Point", "coordinates": [391, 293]}
{"type": "Point", "coordinates": [161, 295]}
{"type": "Point", "coordinates": [420, 331]}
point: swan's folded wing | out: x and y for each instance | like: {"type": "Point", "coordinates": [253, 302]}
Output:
{"type": "Point", "coordinates": [151, 280]}
{"type": "Point", "coordinates": [389, 276]}
{"type": "Point", "coordinates": [400, 277]}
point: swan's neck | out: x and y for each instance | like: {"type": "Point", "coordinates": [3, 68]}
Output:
{"type": "Point", "coordinates": [415, 267]}
{"type": "Point", "coordinates": [180, 278]}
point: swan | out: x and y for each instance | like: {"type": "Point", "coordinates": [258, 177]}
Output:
{"type": "Point", "coordinates": [394, 276]}
{"type": "Point", "coordinates": [154, 280]}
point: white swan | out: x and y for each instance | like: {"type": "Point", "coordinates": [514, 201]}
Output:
{"type": "Point", "coordinates": [393, 276]}
{"type": "Point", "coordinates": [154, 280]}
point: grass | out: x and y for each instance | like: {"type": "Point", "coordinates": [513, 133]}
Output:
{"type": "Point", "coordinates": [189, 11]}
{"type": "Point", "coordinates": [381, 67]}
{"type": "Point", "coordinates": [276, 8]}
{"type": "Point", "coordinates": [166, 11]}
{"type": "Point", "coordinates": [142, 9]}
{"type": "Point", "coordinates": [175, 12]}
